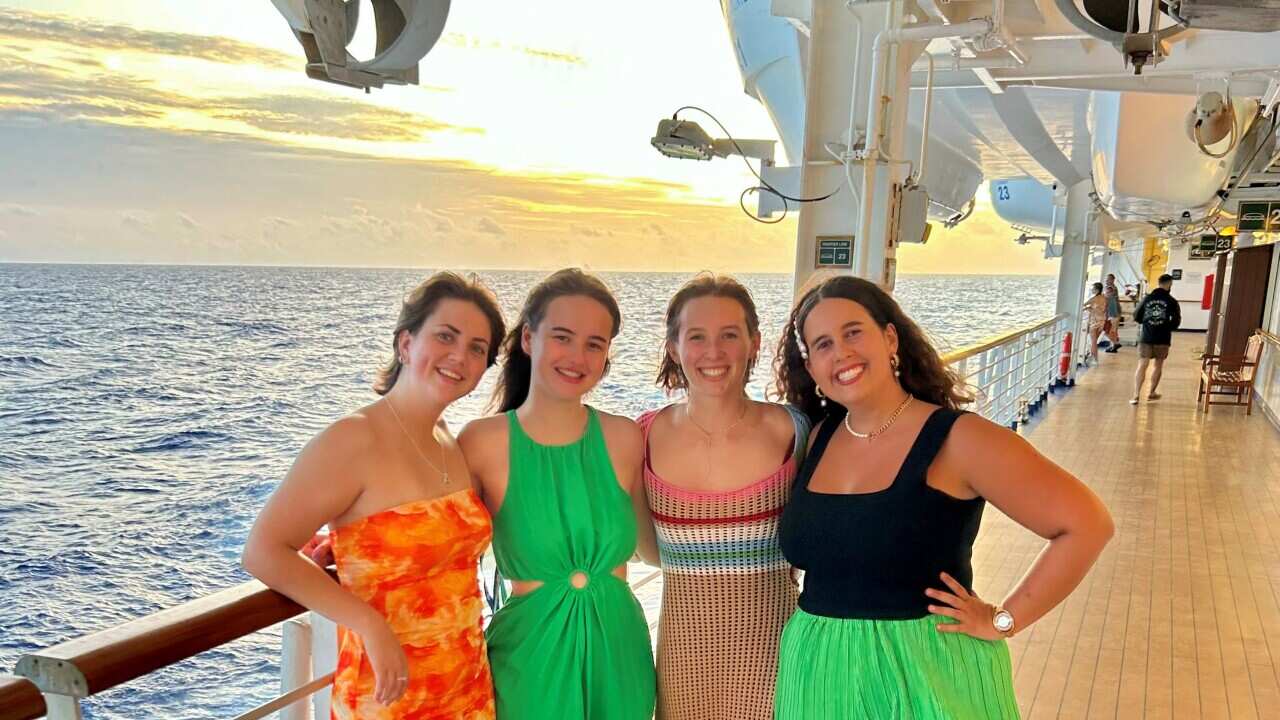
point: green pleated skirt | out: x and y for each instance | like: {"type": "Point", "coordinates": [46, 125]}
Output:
{"type": "Point", "coordinates": [837, 669]}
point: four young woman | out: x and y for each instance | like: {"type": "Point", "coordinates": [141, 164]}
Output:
{"type": "Point", "coordinates": [716, 489]}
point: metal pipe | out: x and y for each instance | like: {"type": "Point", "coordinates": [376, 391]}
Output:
{"type": "Point", "coordinates": [951, 62]}
{"type": "Point", "coordinates": [875, 109]}
{"type": "Point", "coordinates": [853, 105]}
{"type": "Point", "coordinates": [924, 131]}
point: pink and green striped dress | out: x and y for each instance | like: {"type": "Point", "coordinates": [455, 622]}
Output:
{"type": "Point", "coordinates": [727, 591]}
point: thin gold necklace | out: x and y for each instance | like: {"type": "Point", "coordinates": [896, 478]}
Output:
{"type": "Point", "coordinates": [745, 406]}
{"type": "Point", "coordinates": [689, 414]}
{"type": "Point", "coordinates": [444, 474]}
{"type": "Point", "coordinates": [887, 424]}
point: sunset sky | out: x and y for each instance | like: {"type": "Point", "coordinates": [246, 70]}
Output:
{"type": "Point", "coordinates": [177, 132]}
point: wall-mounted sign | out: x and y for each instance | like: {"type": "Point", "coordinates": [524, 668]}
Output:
{"type": "Point", "coordinates": [1258, 217]}
{"type": "Point", "coordinates": [834, 251]}
{"type": "Point", "coordinates": [1207, 246]}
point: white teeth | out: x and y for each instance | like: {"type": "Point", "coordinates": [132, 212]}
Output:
{"type": "Point", "coordinates": [714, 373]}
{"type": "Point", "coordinates": [849, 375]}
{"type": "Point", "coordinates": [570, 374]}
{"type": "Point", "coordinates": [449, 374]}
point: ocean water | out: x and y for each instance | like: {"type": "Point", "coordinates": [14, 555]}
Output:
{"type": "Point", "coordinates": [147, 412]}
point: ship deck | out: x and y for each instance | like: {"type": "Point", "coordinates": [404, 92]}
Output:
{"type": "Point", "coordinates": [1181, 616]}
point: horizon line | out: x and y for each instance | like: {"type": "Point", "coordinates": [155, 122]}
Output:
{"type": "Point", "coordinates": [477, 268]}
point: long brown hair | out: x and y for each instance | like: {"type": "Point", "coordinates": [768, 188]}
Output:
{"type": "Point", "coordinates": [422, 301]}
{"type": "Point", "coordinates": [671, 376]}
{"type": "Point", "coordinates": [923, 373]}
{"type": "Point", "coordinates": [517, 366]}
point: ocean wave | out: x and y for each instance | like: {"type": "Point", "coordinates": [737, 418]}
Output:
{"type": "Point", "coordinates": [183, 440]}
{"type": "Point", "coordinates": [25, 361]}
{"type": "Point", "coordinates": [255, 327]}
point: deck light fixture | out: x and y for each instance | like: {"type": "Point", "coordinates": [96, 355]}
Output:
{"type": "Point", "coordinates": [686, 140]}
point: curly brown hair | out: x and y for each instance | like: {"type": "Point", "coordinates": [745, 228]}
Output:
{"type": "Point", "coordinates": [670, 375]}
{"type": "Point", "coordinates": [422, 301]}
{"type": "Point", "coordinates": [517, 366]}
{"type": "Point", "coordinates": [923, 373]}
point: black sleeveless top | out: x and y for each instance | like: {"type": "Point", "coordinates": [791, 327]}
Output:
{"type": "Point", "coordinates": [872, 555]}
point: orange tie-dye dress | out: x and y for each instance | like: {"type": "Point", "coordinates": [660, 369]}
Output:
{"type": "Point", "coordinates": [416, 564]}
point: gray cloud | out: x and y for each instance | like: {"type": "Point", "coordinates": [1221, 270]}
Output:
{"type": "Point", "coordinates": [51, 93]}
{"type": "Point", "coordinates": [22, 210]}
{"type": "Point", "coordinates": [490, 226]}
{"type": "Point", "coordinates": [329, 117]}
{"type": "Point", "coordinates": [656, 229]}
{"type": "Point", "coordinates": [435, 220]}
{"type": "Point", "coordinates": [187, 222]}
{"type": "Point", "coordinates": [135, 220]}
{"type": "Point", "coordinates": [48, 27]}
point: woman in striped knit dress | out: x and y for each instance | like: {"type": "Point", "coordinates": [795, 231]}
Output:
{"type": "Point", "coordinates": [718, 471]}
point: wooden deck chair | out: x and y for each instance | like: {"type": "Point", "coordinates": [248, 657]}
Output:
{"type": "Point", "coordinates": [1231, 376]}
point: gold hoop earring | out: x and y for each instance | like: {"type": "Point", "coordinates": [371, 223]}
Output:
{"type": "Point", "coordinates": [822, 399]}
{"type": "Point", "coordinates": [894, 363]}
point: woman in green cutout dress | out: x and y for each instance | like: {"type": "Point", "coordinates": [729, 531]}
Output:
{"type": "Point", "coordinates": [572, 642]}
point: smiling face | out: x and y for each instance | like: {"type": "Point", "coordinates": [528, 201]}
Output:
{"type": "Point", "coordinates": [569, 349]}
{"type": "Point", "coordinates": [448, 354]}
{"type": "Point", "coordinates": [714, 346]}
{"type": "Point", "coordinates": [849, 354]}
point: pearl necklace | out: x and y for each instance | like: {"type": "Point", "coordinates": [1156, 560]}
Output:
{"type": "Point", "coordinates": [888, 423]}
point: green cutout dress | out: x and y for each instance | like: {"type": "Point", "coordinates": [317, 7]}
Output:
{"type": "Point", "coordinates": [562, 652]}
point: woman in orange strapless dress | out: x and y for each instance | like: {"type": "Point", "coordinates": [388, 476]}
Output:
{"type": "Point", "coordinates": [406, 523]}
{"type": "Point", "coordinates": [416, 565]}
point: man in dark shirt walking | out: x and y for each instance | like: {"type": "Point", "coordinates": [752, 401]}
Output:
{"type": "Point", "coordinates": [1159, 315]}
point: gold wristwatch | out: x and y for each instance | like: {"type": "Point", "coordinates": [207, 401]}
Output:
{"type": "Point", "coordinates": [1002, 621]}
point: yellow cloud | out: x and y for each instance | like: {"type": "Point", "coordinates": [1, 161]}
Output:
{"type": "Point", "coordinates": [59, 79]}
{"type": "Point", "coordinates": [460, 40]}
{"type": "Point", "coordinates": [92, 36]}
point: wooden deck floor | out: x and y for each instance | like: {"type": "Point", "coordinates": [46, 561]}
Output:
{"type": "Point", "coordinates": [1180, 618]}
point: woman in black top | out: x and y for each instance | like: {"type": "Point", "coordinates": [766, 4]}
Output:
{"type": "Point", "coordinates": [884, 515]}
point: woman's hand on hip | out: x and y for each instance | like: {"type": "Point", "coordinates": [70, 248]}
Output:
{"type": "Point", "coordinates": [971, 614]}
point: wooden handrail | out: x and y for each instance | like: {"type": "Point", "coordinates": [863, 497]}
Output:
{"type": "Point", "coordinates": [1268, 337]}
{"type": "Point", "coordinates": [967, 352]}
{"type": "Point", "coordinates": [88, 665]}
{"type": "Point", "coordinates": [19, 699]}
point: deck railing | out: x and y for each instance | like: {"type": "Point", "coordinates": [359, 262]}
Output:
{"type": "Point", "coordinates": [1012, 374]}
{"type": "Point", "coordinates": [1266, 381]}
{"type": "Point", "coordinates": [57, 679]}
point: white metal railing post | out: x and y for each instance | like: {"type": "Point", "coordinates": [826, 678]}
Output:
{"type": "Point", "coordinates": [60, 681]}
{"type": "Point", "coordinates": [62, 707]}
{"type": "Point", "coordinates": [295, 665]}
{"type": "Point", "coordinates": [324, 660]}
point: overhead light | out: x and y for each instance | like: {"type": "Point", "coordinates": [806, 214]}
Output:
{"type": "Point", "coordinates": [1211, 120]}
{"type": "Point", "coordinates": [686, 140]}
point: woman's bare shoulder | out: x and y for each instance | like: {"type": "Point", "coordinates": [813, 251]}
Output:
{"type": "Point", "coordinates": [483, 431]}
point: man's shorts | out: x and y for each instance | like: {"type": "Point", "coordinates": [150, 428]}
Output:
{"type": "Point", "coordinates": [1148, 351]}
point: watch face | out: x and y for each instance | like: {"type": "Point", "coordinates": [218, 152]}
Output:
{"type": "Point", "coordinates": [1003, 621]}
